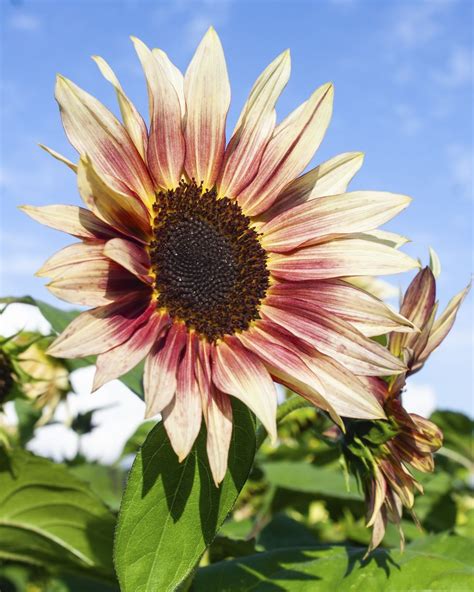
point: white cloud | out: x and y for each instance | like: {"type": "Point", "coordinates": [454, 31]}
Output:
{"type": "Point", "coordinates": [22, 21]}
{"type": "Point", "coordinates": [458, 69]}
{"type": "Point", "coordinates": [418, 23]}
{"type": "Point", "coordinates": [420, 398]}
{"type": "Point", "coordinates": [409, 121]}
{"type": "Point", "coordinates": [461, 167]}
{"type": "Point", "coordinates": [18, 317]}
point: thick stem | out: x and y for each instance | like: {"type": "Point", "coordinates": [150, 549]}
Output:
{"type": "Point", "coordinates": [290, 405]}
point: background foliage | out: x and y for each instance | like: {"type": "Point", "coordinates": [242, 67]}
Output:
{"type": "Point", "coordinates": [289, 519]}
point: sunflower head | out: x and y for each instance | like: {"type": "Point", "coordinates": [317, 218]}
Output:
{"type": "Point", "coordinates": [221, 263]}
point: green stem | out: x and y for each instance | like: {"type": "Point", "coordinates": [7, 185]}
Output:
{"type": "Point", "coordinates": [292, 404]}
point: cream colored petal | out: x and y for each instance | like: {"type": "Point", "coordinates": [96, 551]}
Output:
{"type": "Point", "coordinates": [347, 213]}
{"type": "Point", "coordinates": [59, 157]}
{"type": "Point", "coordinates": [129, 255]}
{"type": "Point", "coordinates": [254, 128]}
{"type": "Point", "coordinates": [93, 283]}
{"type": "Point", "coordinates": [71, 219]}
{"type": "Point", "coordinates": [166, 146]}
{"type": "Point", "coordinates": [207, 94]}
{"type": "Point", "coordinates": [339, 258]}
{"type": "Point", "coordinates": [126, 213]}
{"type": "Point", "coordinates": [174, 75]}
{"type": "Point", "coordinates": [289, 151]}
{"type": "Point", "coordinates": [75, 253]}
{"type": "Point", "coordinates": [94, 130]}
{"type": "Point", "coordinates": [132, 119]}
{"type": "Point", "coordinates": [329, 178]}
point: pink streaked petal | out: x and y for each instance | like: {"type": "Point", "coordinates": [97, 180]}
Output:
{"type": "Point", "coordinates": [126, 213]}
{"type": "Point", "coordinates": [71, 219]}
{"type": "Point", "coordinates": [59, 157]}
{"type": "Point", "coordinates": [333, 215]}
{"type": "Point", "coordinates": [346, 393]}
{"type": "Point", "coordinates": [254, 128]}
{"type": "Point", "coordinates": [366, 313]}
{"type": "Point", "coordinates": [289, 151]}
{"type": "Point", "coordinates": [166, 146]}
{"type": "Point", "coordinates": [287, 367]}
{"type": "Point", "coordinates": [377, 496]}
{"type": "Point", "coordinates": [132, 119]}
{"type": "Point", "coordinates": [161, 368]}
{"type": "Point", "coordinates": [217, 411]}
{"type": "Point", "coordinates": [329, 178]}
{"type": "Point", "coordinates": [175, 76]}
{"type": "Point", "coordinates": [182, 417]}
{"type": "Point", "coordinates": [340, 258]}
{"type": "Point", "coordinates": [207, 94]}
{"type": "Point", "coordinates": [70, 255]}
{"type": "Point", "coordinates": [240, 373]}
{"type": "Point", "coordinates": [105, 327]}
{"type": "Point", "coordinates": [93, 283]}
{"type": "Point", "coordinates": [94, 130]}
{"type": "Point", "coordinates": [131, 256]}
{"type": "Point", "coordinates": [121, 359]}
{"type": "Point", "coordinates": [336, 338]}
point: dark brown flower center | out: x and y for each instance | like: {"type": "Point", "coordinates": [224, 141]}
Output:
{"type": "Point", "coordinates": [210, 267]}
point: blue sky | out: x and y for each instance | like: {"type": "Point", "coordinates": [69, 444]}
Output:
{"type": "Point", "coordinates": [404, 90]}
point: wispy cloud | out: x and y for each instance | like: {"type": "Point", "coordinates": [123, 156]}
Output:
{"type": "Point", "coordinates": [22, 21]}
{"type": "Point", "coordinates": [461, 166]}
{"type": "Point", "coordinates": [458, 69]}
{"type": "Point", "coordinates": [418, 23]}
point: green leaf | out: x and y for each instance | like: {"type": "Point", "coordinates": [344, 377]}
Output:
{"type": "Point", "coordinates": [50, 518]}
{"type": "Point", "coordinates": [301, 476]}
{"type": "Point", "coordinates": [27, 415]}
{"type": "Point", "coordinates": [439, 562]}
{"type": "Point", "coordinates": [136, 440]}
{"type": "Point", "coordinates": [105, 481]}
{"type": "Point", "coordinates": [283, 531]}
{"type": "Point", "coordinates": [457, 431]}
{"type": "Point", "coordinates": [171, 512]}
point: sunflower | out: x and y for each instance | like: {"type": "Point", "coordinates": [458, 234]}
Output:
{"type": "Point", "coordinates": [221, 264]}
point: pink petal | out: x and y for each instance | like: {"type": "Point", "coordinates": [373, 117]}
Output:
{"type": "Point", "coordinates": [121, 359]}
{"type": "Point", "coordinates": [182, 417]}
{"type": "Point", "coordinates": [366, 313]}
{"type": "Point", "coordinates": [254, 128]}
{"type": "Point", "coordinates": [71, 219]}
{"type": "Point", "coordinates": [336, 214]}
{"type": "Point", "coordinates": [94, 130]}
{"type": "Point", "coordinates": [217, 411]}
{"type": "Point", "coordinates": [166, 146]}
{"type": "Point", "coordinates": [336, 338]}
{"type": "Point", "coordinates": [207, 94]}
{"type": "Point", "coordinates": [132, 119]}
{"type": "Point", "coordinates": [131, 256]}
{"type": "Point", "coordinates": [161, 368]}
{"type": "Point", "coordinates": [100, 329]}
{"type": "Point", "coordinates": [329, 178]}
{"type": "Point", "coordinates": [93, 283]}
{"type": "Point", "coordinates": [70, 255]}
{"type": "Point", "coordinates": [238, 372]}
{"type": "Point", "coordinates": [126, 213]}
{"type": "Point", "coordinates": [348, 395]}
{"type": "Point", "coordinates": [287, 367]}
{"type": "Point", "coordinates": [339, 258]}
{"type": "Point", "coordinates": [289, 151]}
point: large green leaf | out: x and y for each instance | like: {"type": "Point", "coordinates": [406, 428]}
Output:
{"type": "Point", "coordinates": [439, 562]}
{"type": "Point", "coordinates": [301, 476]}
{"type": "Point", "coordinates": [59, 319]}
{"type": "Point", "coordinates": [171, 512]}
{"type": "Point", "coordinates": [48, 517]}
